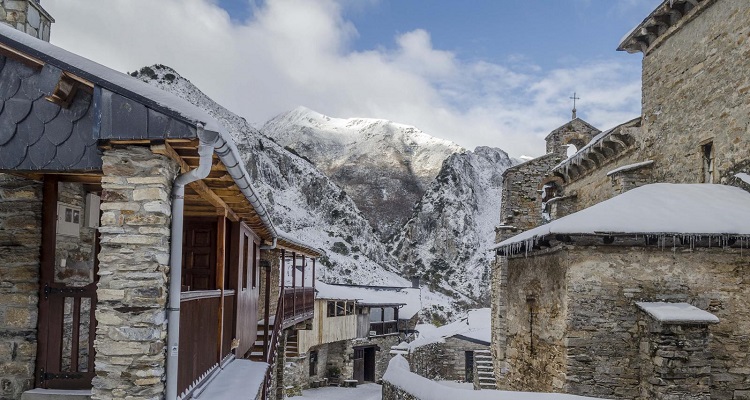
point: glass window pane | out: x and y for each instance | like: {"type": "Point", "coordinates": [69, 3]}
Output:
{"type": "Point", "coordinates": [390, 315]}
{"type": "Point", "coordinates": [376, 314]}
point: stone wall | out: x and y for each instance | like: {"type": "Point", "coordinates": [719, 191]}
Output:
{"type": "Point", "coordinates": [696, 88]}
{"type": "Point", "coordinates": [443, 361]}
{"type": "Point", "coordinates": [26, 16]}
{"type": "Point", "coordinates": [521, 206]}
{"type": "Point", "coordinates": [393, 392]}
{"type": "Point", "coordinates": [593, 291]}
{"type": "Point", "coordinates": [430, 361]}
{"type": "Point", "coordinates": [536, 324]}
{"type": "Point", "coordinates": [20, 243]}
{"type": "Point", "coordinates": [133, 274]}
{"type": "Point", "coordinates": [498, 288]}
{"type": "Point", "coordinates": [675, 360]}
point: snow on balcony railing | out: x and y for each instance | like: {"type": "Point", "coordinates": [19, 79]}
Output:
{"type": "Point", "coordinates": [398, 377]}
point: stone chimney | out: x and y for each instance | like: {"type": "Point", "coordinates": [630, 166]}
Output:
{"type": "Point", "coordinates": [26, 16]}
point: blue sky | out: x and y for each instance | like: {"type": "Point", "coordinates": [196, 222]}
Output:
{"type": "Point", "coordinates": [480, 72]}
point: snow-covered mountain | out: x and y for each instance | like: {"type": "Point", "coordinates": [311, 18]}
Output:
{"type": "Point", "coordinates": [303, 201]}
{"type": "Point", "coordinates": [447, 238]}
{"type": "Point", "coordinates": [385, 167]}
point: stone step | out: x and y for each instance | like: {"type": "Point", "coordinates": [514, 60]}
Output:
{"type": "Point", "coordinates": [486, 373]}
{"type": "Point", "coordinates": [56, 394]}
{"type": "Point", "coordinates": [483, 363]}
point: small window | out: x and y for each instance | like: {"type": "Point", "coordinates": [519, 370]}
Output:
{"type": "Point", "coordinates": [707, 152]}
{"type": "Point", "coordinates": [331, 309]}
{"type": "Point", "coordinates": [340, 308]}
{"type": "Point", "coordinates": [349, 307]}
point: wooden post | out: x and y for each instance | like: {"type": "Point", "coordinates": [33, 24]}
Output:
{"type": "Point", "coordinates": [267, 310]}
{"type": "Point", "coordinates": [47, 266]}
{"type": "Point", "coordinates": [313, 274]}
{"type": "Point", "coordinates": [303, 271]}
{"type": "Point", "coordinates": [294, 269]}
{"type": "Point", "coordinates": [221, 232]}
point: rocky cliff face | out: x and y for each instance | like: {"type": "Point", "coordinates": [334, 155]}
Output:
{"type": "Point", "coordinates": [383, 166]}
{"type": "Point", "coordinates": [300, 199]}
{"type": "Point", "coordinates": [447, 237]}
{"type": "Point", "coordinates": [443, 238]}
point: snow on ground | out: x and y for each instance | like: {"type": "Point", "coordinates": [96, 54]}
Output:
{"type": "Point", "coordinates": [367, 391]}
{"type": "Point", "coordinates": [399, 375]}
{"type": "Point", "coordinates": [458, 385]}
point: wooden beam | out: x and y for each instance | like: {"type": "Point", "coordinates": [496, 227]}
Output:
{"type": "Point", "coordinates": [199, 186]}
{"type": "Point", "coordinates": [23, 58]}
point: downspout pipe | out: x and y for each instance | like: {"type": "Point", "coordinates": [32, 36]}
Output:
{"type": "Point", "coordinates": [205, 151]}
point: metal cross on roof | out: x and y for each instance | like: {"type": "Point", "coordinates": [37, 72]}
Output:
{"type": "Point", "coordinates": [574, 98]}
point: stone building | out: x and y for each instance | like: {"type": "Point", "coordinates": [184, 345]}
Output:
{"type": "Point", "coordinates": [458, 351]}
{"type": "Point", "coordinates": [99, 175]}
{"type": "Point", "coordinates": [352, 333]}
{"type": "Point", "coordinates": [641, 215]}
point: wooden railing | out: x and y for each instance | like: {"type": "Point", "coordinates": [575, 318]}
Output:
{"type": "Point", "coordinates": [199, 334]}
{"type": "Point", "coordinates": [272, 347]}
{"type": "Point", "coordinates": [298, 303]}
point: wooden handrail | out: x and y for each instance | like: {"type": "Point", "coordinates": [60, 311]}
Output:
{"type": "Point", "coordinates": [273, 344]}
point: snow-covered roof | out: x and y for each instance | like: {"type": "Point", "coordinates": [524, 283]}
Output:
{"type": "Point", "coordinates": [659, 209]}
{"type": "Point", "coordinates": [475, 325]}
{"type": "Point", "coordinates": [630, 167]}
{"type": "Point", "coordinates": [743, 177]}
{"type": "Point", "coordinates": [409, 298]}
{"type": "Point", "coordinates": [677, 313]}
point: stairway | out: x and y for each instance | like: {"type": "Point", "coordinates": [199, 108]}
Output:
{"type": "Point", "coordinates": [256, 352]}
{"type": "Point", "coordinates": [485, 370]}
{"type": "Point", "coordinates": [292, 348]}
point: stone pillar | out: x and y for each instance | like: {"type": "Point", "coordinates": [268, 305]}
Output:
{"type": "Point", "coordinates": [133, 274]}
{"type": "Point", "coordinates": [272, 258]}
{"type": "Point", "coordinates": [26, 16]}
{"type": "Point", "coordinates": [498, 312]}
{"type": "Point", "coordinates": [20, 243]}
{"type": "Point", "coordinates": [675, 360]}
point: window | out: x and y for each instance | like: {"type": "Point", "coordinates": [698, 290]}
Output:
{"type": "Point", "coordinates": [376, 314]}
{"type": "Point", "coordinates": [707, 153]}
{"type": "Point", "coordinates": [340, 308]}
{"type": "Point", "coordinates": [389, 314]}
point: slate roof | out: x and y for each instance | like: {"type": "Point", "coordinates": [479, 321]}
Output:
{"type": "Point", "coordinates": [36, 134]}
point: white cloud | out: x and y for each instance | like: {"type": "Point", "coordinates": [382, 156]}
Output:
{"type": "Point", "coordinates": [299, 52]}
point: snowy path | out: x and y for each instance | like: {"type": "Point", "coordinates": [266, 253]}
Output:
{"type": "Point", "coordinates": [368, 391]}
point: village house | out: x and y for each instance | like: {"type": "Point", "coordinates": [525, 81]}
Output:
{"type": "Point", "coordinates": [136, 260]}
{"type": "Point", "coordinates": [622, 270]}
{"type": "Point", "coordinates": [458, 351]}
{"type": "Point", "coordinates": [351, 334]}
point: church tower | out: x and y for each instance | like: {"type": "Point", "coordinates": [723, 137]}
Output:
{"type": "Point", "coordinates": [26, 16]}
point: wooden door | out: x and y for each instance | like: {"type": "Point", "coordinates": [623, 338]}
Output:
{"type": "Point", "coordinates": [469, 366]}
{"type": "Point", "coordinates": [67, 325]}
{"type": "Point", "coordinates": [199, 254]}
{"type": "Point", "coordinates": [359, 365]}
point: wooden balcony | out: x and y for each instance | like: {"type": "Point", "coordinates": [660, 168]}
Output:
{"type": "Point", "coordinates": [205, 339]}
{"type": "Point", "coordinates": [384, 328]}
{"type": "Point", "coordinates": [299, 303]}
